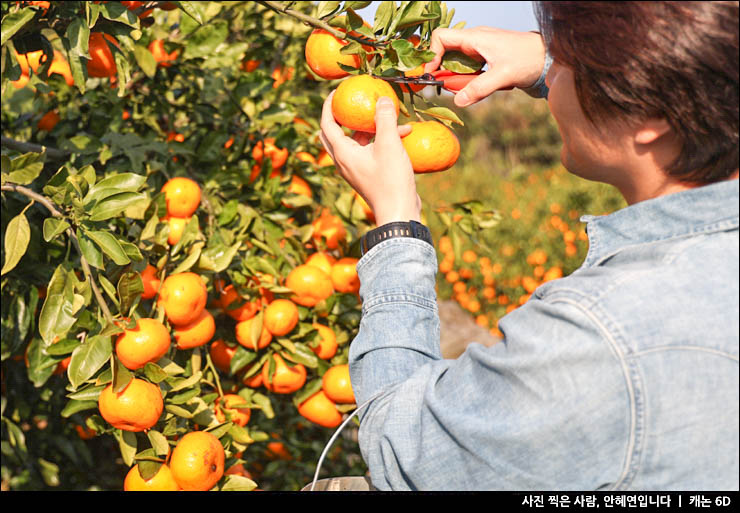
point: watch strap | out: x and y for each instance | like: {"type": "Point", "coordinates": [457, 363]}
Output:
{"type": "Point", "coordinates": [411, 229]}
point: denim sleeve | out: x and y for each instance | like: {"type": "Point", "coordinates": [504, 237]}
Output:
{"type": "Point", "coordinates": [509, 416]}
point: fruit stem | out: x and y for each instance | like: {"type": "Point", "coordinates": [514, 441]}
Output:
{"type": "Point", "coordinates": [315, 22]}
{"type": "Point", "coordinates": [24, 147]}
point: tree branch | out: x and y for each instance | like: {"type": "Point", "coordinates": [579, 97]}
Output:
{"type": "Point", "coordinates": [315, 22]}
{"type": "Point", "coordinates": [25, 147]}
{"type": "Point", "coordinates": [70, 232]}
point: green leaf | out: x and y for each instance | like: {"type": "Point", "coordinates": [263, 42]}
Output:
{"type": "Point", "coordinates": [26, 174]}
{"type": "Point", "coordinates": [53, 226]}
{"type": "Point", "coordinates": [145, 60]}
{"type": "Point", "coordinates": [155, 373]}
{"type": "Point", "coordinates": [324, 9]}
{"type": "Point", "coordinates": [159, 442]}
{"type": "Point", "coordinates": [113, 185]}
{"type": "Point", "coordinates": [236, 483]}
{"type": "Point", "coordinates": [206, 39]}
{"type": "Point", "coordinates": [218, 258]}
{"type": "Point", "coordinates": [192, 9]}
{"type": "Point", "coordinates": [75, 406]}
{"type": "Point", "coordinates": [114, 205]}
{"type": "Point", "coordinates": [458, 62]}
{"type": "Point", "coordinates": [130, 288]}
{"type": "Point", "coordinates": [127, 445]}
{"type": "Point", "coordinates": [383, 15]}
{"type": "Point", "coordinates": [443, 114]}
{"type": "Point", "coordinates": [91, 253]}
{"type": "Point", "coordinates": [190, 260]}
{"type": "Point", "coordinates": [17, 237]}
{"type": "Point", "coordinates": [88, 359]}
{"type": "Point", "coordinates": [90, 393]}
{"type": "Point", "coordinates": [61, 306]}
{"type": "Point", "coordinates": [40, 364]}
{"type": "Point", "coordinates": [110, 246]}
{"type": "Point", "coordinates": [13, 22]}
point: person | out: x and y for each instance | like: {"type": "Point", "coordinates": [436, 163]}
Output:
{"type": "Point", "coordinates": [624, 374]}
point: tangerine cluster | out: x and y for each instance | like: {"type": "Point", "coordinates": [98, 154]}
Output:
{"type": "Point", "coordinates": [431, 146]}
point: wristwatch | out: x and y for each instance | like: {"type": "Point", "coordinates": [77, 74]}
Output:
{"type": "Point", "coordinates": [411, 229]}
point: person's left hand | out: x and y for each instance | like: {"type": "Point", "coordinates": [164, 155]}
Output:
{"type": "Point", "coordinates": [379, 171]}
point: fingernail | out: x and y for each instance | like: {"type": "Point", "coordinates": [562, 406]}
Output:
{"type": "Point", "coordinates": [384, 102]}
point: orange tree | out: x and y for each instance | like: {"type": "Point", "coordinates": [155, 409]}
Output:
{"type": "Point", "coordinates": [179, 179]}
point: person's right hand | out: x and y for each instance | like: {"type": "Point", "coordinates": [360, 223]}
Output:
{"type": "Point", "coordinates": [515, 59]}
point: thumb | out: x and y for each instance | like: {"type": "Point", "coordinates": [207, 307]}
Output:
{"type": "Point", "coordinates": [386, 122]}
{"type": "Point", "coordinates": [480, 87]}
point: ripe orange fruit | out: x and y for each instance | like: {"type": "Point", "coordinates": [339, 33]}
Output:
{"type": "Point", "coordinates": [281, 316]}
{"type": "Point", "coordinates": [445, 244]}
{"type": "Point", "coordinates": [177, 227]}
{"type": "Point", "coordinates": [323, 54]}
{"type": "Point", "coordinates": [254, 380]}
{"type": "Point", "coordinates": [300, 186]}
{"type": "Point", "coordinates": [136, 408]}
{"type": "Point", "coordinates": [309, 284]}
{"type": "Point", "coordinates": [329, 228]}
{"type": "Point", "coordinates": [48, 121]}
{"type": "Point", "coordinates": [321, 410]}
{"type": "Point", "coordinates": [236, 307]}
{"type": "Point", "coordinates": [85, 433]}
{"type": "Point", "coordinates": [327, 347]}
{"type": "Point", "coordinates": [431, 146]}
{"type": "Point", "coordinates": [182, 196]}
{"type": "Point", "coordinates": [250, 65]}
{"type": "Point", "coordinates": [151, 282]}
{"type": "Point", "coordinates": [197, 461]}
{"type": "Point", "coordinates": [322, 260]}
{"type": "Point", "coordinates": [183, 297]}
{"type": "Point", "coordinates": [280, 75]}
{"type": "Point", "coordinates": [353, 104]}
{"type": "Point", "coordinates": [102, 63]}
{"type": "Point", "coordinates": [537, 257]}
{"type": "Point", "coordinates": [324, 159]}
{"type": "Point", "coordinates": [277, 450]}
{"type": "Point", "coordinates": [369, 214]}
{"type": "Point", "coordinates": [221, 355]}
{"type": "Point", "coordinates": [268, 149]}
{"type": "Point", "coordinates": [32, 61]}
{"type": "Point", "coordinates": [197, 333]}
{"type": "Point", "coordinates": [469, 256]}
{"type": "Point", "coordinates": [132, 6]}
{"type": "Point", "coordinates": [246, 338]}
{"type": "Point", "coordinates": [162, 481]}
{"type": "Point", "coordinates": [553, 273]}
{"type": "Point", "coordinates": [344, 276]}
{"type": "Point", "coordinates": [164, 59]}
{"type": "Point", "coordinates": [305, 156]}
{"type": "Point", "coordinates": [286, 379]}
{"type": "Point", "coordinates": [336, 384]}
{"type": "Point", "coordinates": [147, 342]}
{"type": "Point", "coordinates": [233, 405]}
{"type": "Point", "coordinates": [174, 136]}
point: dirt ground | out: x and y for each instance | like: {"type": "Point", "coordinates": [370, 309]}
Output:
{"type": "Point", "coordinates": [458, 329]}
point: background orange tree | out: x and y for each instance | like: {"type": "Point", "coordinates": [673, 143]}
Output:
{"type": "Point", "coordinates": [220, 92]}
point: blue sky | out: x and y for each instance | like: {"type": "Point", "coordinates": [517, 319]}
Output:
{"type": "Point", "coordinates": [504, 15]}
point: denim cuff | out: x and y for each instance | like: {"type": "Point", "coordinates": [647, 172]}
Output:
{"type": "Point", "coordinates": [539, 89]}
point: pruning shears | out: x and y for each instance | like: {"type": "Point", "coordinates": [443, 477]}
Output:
{"type": "Point", "coordinates": [447, 80]}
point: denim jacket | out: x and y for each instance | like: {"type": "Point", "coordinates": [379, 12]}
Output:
{"type": "Point", "coordinates": [620, 376]}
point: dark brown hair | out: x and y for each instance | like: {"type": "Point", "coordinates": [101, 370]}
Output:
{"type": "Point", "coordinates": [672, 60]}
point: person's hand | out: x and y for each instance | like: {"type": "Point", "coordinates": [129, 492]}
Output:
{"type": "Point", "coordinates": [515, 59]}
{"type": "Point", "coordinates": [379, 171]}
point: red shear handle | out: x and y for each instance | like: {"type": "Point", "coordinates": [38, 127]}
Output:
{"type": "Point", "coordinates": [455, 82]}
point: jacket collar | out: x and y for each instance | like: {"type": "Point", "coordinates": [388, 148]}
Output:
{"type": "Point", "coordinates": [706, 209]}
